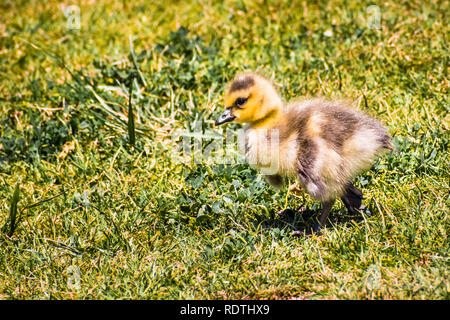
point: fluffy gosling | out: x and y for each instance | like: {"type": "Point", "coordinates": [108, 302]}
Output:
{"type": "Point", "coordinates": [322, 143]}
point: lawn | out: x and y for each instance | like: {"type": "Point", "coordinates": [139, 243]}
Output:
{"type": "Point", "coordinates": [94, 205]}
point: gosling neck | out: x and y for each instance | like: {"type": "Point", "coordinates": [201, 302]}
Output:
{"type": "Point", "coordinates": [270, 120]}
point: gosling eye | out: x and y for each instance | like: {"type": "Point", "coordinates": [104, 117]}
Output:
{"type": "Point", "coordinates": [240, 102]}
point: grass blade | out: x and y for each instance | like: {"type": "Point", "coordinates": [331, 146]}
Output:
{"type": "Point", "coordinates": [131, 128]}
{"type": "Point", "coordinates": [13, 216]}
{"type": "Point", "coordinates": [133, 55]}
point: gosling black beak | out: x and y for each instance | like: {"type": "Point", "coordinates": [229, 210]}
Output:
{"type": "Point", "coordinates": [226, 116]}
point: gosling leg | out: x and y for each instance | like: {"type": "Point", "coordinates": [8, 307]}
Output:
{"type": "Point", "coordinates": [325, 212]}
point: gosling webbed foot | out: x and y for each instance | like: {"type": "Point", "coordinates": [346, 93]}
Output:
{"type": "Point", "coordinates": [352, 198]}
{"type": "Point", "coordinates": [316, 227]}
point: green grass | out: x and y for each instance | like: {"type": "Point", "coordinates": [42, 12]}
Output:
{"type": "Point", "coordinates": [102, 211]}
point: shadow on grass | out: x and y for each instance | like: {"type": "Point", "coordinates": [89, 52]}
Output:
{"type": "Point", "coordinates": [300, 221]}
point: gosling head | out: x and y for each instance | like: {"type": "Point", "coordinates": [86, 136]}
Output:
{"type": "Point", "coordinates": [249, 98]}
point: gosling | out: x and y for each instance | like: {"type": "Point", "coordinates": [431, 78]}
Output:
{"type": "Point", "coordinates": [322, 143]}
